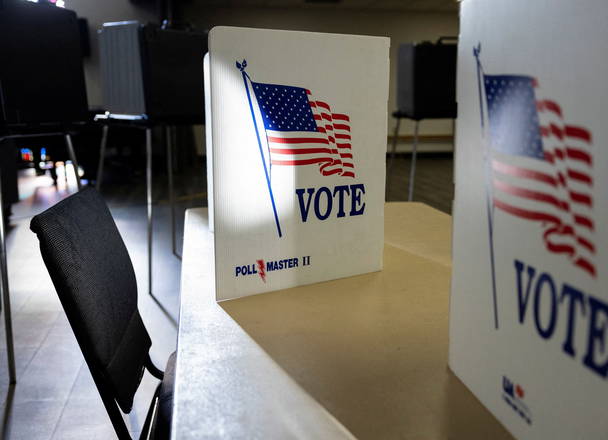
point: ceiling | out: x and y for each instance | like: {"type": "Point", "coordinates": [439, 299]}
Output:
{"type": "Point", "coordinates": [396, 5]}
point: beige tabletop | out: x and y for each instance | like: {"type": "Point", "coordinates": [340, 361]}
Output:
{"type": "Point", "coordinates": [372, 349]}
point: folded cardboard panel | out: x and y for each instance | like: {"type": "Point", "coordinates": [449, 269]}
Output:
{"type": "Point", "coordinates": [529, 304]}
{"type": "Point", "coordinates": [299, 141]}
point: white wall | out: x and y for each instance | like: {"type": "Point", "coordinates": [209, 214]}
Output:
{"type": "Point", "coordinates": [401, 27]}
{"type": "Point", "coordinates": [98, 12]}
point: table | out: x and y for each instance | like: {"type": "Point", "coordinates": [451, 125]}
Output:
{"type": "Point", "coordinates": [364, 356]}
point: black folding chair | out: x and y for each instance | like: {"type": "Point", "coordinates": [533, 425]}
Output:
{"type": "Point", "coordinates": [94, 279]}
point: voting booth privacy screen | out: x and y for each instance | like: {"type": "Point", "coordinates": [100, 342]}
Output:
{"type": "Point", "coordinates": [529, 301]}
{"type": "Point", "coordinates": [299, 142]}
{"type": "Point", "coordinates": [34, 87]}
{"type": "Point", "coordinates": [153, 71]}
{"type": "Point", "coordinates": [426, 80]}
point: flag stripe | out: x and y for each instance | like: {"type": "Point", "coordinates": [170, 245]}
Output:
{"type": "Point", "coordinates": [341, 126]}
{"type": "Point", "coordinates": [578, 132]}
{"type": "Point", "coordinates": [585, 265]}
{"type": "Point", "coordinates": [549, 105]}
{"type": "Point", "coordinates": [522, 172]}
{"type": "Point", "coordinates": [299, 150]}
{"type": "Point", "coordinates": [577, 154]}
{"type": "Point", "coordinates": [533, 195]}
{"type": "Point", "coordinates": [586, 243]}
{"type": "Point", "coordinates": [581, 198]}
{"type": "Point", "coordinates": [301, 161]}
{"type": "Point", "coordinates": [524, 213]}
{"type": "Point", "coordinates": [278, 140]}
{"type": "Point", "coordinates": [582, 177]}
{"type": "Point", "coordinates": [583, 221]}
{"type": "Point", "coordinates": [341, 117]}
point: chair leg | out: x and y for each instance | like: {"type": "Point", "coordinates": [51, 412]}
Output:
{"type": "Point", "coordinates": [102, 156]}
{"type": "Point", "coordinates": [159, 374]}
{"type": "Point", "coordinates": [146, 430]}
{"type": "Point", "coordinates": [114, 413]}
{"type": "Point", "coordinates": [394, 145]}
{"type": "Point", "coordinates": [70, 146]}
{"type": "Point", "coordinates": [149, 202]}
{"type": "Point", "coordinates": [392, 157]}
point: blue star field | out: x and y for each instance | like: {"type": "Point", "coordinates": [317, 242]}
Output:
{"type": "Point", "coordinates": [284, 108]}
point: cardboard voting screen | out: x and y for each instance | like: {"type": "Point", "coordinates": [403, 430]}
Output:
{"type": "Point", "coordinates": [529, 303]}
{"type": "Point", "coordinates": [299, 142]}
{"type": "Point", "coordinates": [208, 138]}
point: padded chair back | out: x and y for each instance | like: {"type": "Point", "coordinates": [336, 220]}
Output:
{"type": "Point", "coordinates": [94, 278]}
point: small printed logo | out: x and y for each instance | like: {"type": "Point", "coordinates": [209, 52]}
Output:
{"type": "Point", "coordinates": [261, 269]}
{"type": "Point", "coordinates": [513, 394]}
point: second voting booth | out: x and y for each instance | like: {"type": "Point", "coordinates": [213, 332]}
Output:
{"type": "Point", "coordinates": [528, 311]}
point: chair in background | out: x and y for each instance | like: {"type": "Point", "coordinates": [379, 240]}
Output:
{"type": "Point", "coordinates": [94, 278]}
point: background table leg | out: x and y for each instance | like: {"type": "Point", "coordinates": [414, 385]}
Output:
{"type": "Point", "coordinates": [170, 131]}
{"type": "Point", "coordinates": [102, 155]}
{"type": "Point", "coordinates": [70, 146]}
{"type": "Point", "coordinates": [149, 202]}
{"type": "Point", "coordinates": [410, 196]}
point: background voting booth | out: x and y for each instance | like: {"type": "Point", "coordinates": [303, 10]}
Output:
{"type": "Point", "coordinates": [528, 311]}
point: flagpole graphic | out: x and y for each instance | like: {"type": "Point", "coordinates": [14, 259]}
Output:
{"type": "Point", "coordinates": [489, 202]}
{"type": "Point", "coordinates": [241, 67]}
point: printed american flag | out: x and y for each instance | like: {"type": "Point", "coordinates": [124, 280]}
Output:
{"type": "Point", "coordinates": [301, 130]}
{"type": "Point", "coordinates": [542, 167]}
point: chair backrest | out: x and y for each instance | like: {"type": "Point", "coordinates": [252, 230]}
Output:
{"type": "Point", "coordinates": [94, 278]}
